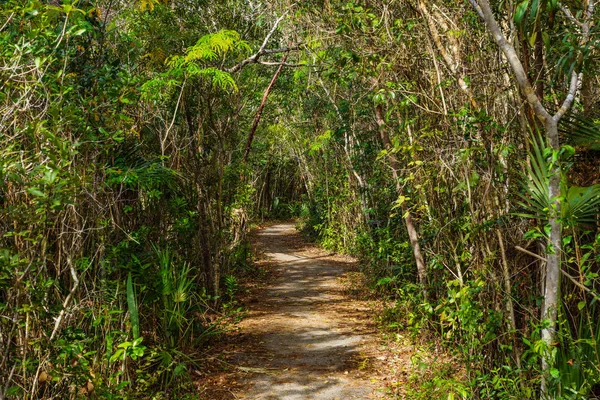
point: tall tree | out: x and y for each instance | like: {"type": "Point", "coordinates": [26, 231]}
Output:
{"type": "Point", "coordinates": [549, 122]}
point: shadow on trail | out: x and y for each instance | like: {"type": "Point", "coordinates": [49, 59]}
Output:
{"type": "Point", "coordinates": [304, 341]}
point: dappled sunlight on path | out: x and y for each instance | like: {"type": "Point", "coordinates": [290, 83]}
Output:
{"type": "Point", "coordinates": [309, 344]}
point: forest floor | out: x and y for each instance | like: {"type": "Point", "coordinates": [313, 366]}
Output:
{"type": "Point", "coordinates": [306, 334]}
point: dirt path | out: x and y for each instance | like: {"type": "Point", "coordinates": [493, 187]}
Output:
{"type": "Point", "coordinates": [304, 338]}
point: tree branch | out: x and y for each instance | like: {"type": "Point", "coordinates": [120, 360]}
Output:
{"type": "Point", "coordinates": [282, 49]}
{"type": "Point", "coordinates": [589, 12]}
{"type": "Point", "coordinates": [579, 285]}
{"type": "Point", "coordinates": [253, 59]}
{"type": "Point", "coordinates": [569, 14]}
{"type": "Point", "coordinates": [573, 86]}
{"type": "Point", "coordinates": [477, 8]}
{"type": "Point", "coordinates": [271, 32]}
{"type": "Point", "coordinates": [531, 253]}
{"type": "Point", "coordinates": [67, 301]}
{"type": "Point", "coordinates": [515, 63]}
{"type": "Point", "coordinates": [566, 274]}
{"type": "Point", "coordinates": [285, 64]}
{"type": "Point", "coordinates": [261, 107]}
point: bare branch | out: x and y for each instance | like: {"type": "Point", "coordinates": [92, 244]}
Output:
{"type": "Point", "coordinates": [163, 141]}
{"type": "Point", "coordinates": [531, 253]}
{"type": "Point", "coordinates": [515, 63]}
{"type": "Point", "coordinates": [253, 59]}
{"type": "Point", "coordinates": [271, 32]}
{"type": "Point", "coordinates": [450, 63]}
{"type": "Point", "coordinates": [285, 64]}
{"type": "Point", "coordinates": [573, 86]}
{"type": "Point", "coordinates": [477, 8]}
{"type": "Point", "coordinates": [282, 49]}
{"type": "Point", "coordinates": [67, 301]}
{"type": "Point", "coordinates": [7, 21]}
{"type": "Point", "coordinates": [261, 107]}
{"type": "Point", "coordinates": [566, 274]}
{"type": "Point", "coordinates": [579, 285]}
{"type": "Point", "coordinates": [569, 14]}
{"type": "Point", "coordinates": [589, 12]}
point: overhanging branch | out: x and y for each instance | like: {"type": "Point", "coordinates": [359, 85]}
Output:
{"type": "Point", "coordinates": [254, 59]}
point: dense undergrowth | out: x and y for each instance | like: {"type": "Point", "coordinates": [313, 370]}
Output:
{"type": "Point", "coordinates": [123, 219]}
{"type": "Point", "coordinates": [463, 350]}
{"type": "Point", "coordinates": [136, 147]}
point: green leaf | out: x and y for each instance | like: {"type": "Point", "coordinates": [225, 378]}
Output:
{"type": "Point", "coordinates": [398, 203]}
{"type": "Point", "coordinates": [520, 12]}
{"type": "Point", "coordinates": [546, 39]}
{"type": "Point", "coordinates": [581, 305]}
{"type": "Point", "coordinates": [36, 192]}
{"type": "Point", "coordinates": [534, 11]}
{"type": "Point", "coordinates": [133, 310]}
{"type": "Point", "coordinates": [568, 150]}
{"type": "Point", "coordinates": [532, 39]}
{"type": "Point", "coordinates": [116, 356]}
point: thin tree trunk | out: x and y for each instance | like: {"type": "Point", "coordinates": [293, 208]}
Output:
{"type": "Point", "coordinates": [451, 64]}
{"type": "Point", "coordinates": [550, 122]}
{"type": "Point", "coordinates": [552, 281]}
{"type": "Point", "coordinates": [363, 187]}
{"type": "Point", "coordinates": [261, 107]}
{"type": "Point", "coordinates": [413, 235]}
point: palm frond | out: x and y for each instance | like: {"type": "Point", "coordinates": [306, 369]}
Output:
{"type": "Point", "coordinates": [580, 131]}
{"type": "Point", "coordinates": [535, 197]}
{"type": "Point", "coordinates": [580, 205]}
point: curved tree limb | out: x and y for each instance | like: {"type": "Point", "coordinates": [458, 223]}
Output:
{"type": "Point", "coordinates": [254, 59]}
{"type": "Point", "coordinates": [261, 107]}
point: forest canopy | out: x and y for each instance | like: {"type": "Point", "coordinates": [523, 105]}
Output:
{"type": "Point", "coordinates": [452, 146]}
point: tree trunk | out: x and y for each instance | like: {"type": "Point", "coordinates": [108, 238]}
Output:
{"type": "Point", "coordinates": [261, 107]}
{"type": "Point", "coordinates": [552, 281]}
{"type": "Point", "coordinates": [550, 122]}
{"type": "Point", "coordinates": [413, 235]}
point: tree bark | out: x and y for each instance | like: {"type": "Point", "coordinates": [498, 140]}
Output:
{"type": "Point", "coordinates": [553, 253]}
{"type": "Point", "coordinates": [413, 234]}
{"type": "Point", "coordinates": [552, 281]}
{"type": "Point", "coordinates": [261, 107]}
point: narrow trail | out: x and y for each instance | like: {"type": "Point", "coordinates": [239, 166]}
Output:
{"type": "Point", "coordinates": [308, 339]}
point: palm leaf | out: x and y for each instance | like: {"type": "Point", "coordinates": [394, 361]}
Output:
{"type": "Point", "coordinates": [535, 198]}
{"type": "Point", "coordinates": [580, 131]}
{"type": "Point", "coordinates": [580, 205]}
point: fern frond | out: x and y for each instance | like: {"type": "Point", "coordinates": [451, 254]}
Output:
{"type": "Point", "coordinates": [219, 79]}
{"type": "Point", "coordinates": [209, 47]}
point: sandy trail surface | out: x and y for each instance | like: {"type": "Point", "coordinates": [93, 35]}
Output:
{"type": "Point", "coordinates": [308, 339]}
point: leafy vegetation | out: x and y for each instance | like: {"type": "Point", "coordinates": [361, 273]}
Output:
{"type": "Point", "coordinates": [137, 144]}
